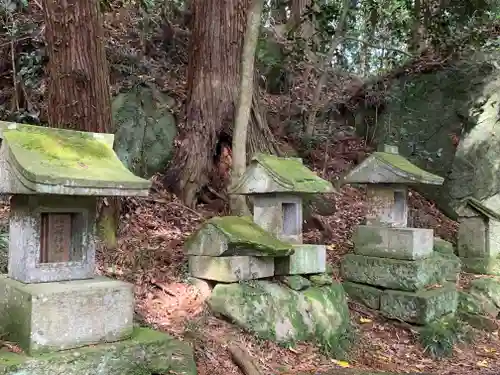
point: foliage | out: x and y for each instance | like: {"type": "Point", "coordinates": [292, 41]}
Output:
{"type": "Point", "coordinates": [440, 337]}
{"type": "Point", "coordinates": [4, 251]}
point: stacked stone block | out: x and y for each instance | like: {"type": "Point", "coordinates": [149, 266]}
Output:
{"type": "Point", "coordinates": [396, 271]}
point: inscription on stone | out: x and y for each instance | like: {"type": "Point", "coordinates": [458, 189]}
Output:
{"type": "Point", "coordinates": [55, 237]}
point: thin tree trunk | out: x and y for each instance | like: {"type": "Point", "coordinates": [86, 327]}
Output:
{"type": "Point", "coordinates": [416, 32]}
{"type": "Point", "coordinates": [245, 99]}
{"type": "Point", "coordinates": [337, 39]}
{"type": "Point", "coordinates": [78, 90]}
{"type": "Point", "coordinates": [278, 11]}
{"type": "Point", "coordinates": [213, 78]}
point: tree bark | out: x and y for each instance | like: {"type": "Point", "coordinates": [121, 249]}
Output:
{"type": "Point", "coordinates": [78, 89]}
{"type": "Point", "coordinates": [212, 85]}
{"type": "Point", "coordinates": [238, 202]}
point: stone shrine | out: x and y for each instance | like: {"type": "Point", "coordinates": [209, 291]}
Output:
{"type": "Point", "coordinates": [394, 268]}
{"type": "Point", "coordinates": [479, 236]}
{"type": "Point", "coordinates": [51, 300]}
{"type": "Point", "coordinates": [276, 186]}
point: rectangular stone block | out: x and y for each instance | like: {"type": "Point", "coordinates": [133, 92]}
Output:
{"type": "Point", "coordinates": [365, 294]}
{"type": "Point", "coordinates": [306, 259]}
{"type": "Point", "coordinates": [64, 315]}
{"type": "Point", "coordinates": [397, 243]}
{"type": "Point", "coordinates": [408, 275]}
{"type": "Point", "coordinates": [421, 307]}
{"type": "Point", "coordinates": [39, 247]}
{"type": "Point", "coordinates": [230, 269]}
{"type": "Point", "coordinates": [473, 237]}
{"type": "Point", "coordinates": [481, 266]}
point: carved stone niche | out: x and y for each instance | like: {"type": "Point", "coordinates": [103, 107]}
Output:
{"type": "Point", "coordinates": [52, 238]}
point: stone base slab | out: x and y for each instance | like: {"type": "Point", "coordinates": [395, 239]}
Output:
{"type": "Point", "coordinates": [481, 266]}
{"type": "Point", "coordinates": [231, 269]}
{"type": "Point", "coordinates": [421, 307]}
{"type": "Point", "coordinates": [397, 243]}
{"type": "Point", "coordinates": [65, 315]}
{"type": "Point", "coordinates": [365, 294]}
{"type": "Point", "coordinates": [146, 352]}
{"type": "Point", "coordinates": [398, 274]}
{"type": "Point", "coordinates": [307, 259]}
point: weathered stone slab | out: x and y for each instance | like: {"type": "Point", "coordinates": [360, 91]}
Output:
{"type": "Point", "coordinates": [230, 269]}
{"type": "Point", "coordinates": [397, 243]}
{"type": "Point", "coordinates": [476, 304]}
{"type": "Point", "coordinates": [367, 295]}
{"type": "Point", "coordinates": [443, 246]}
{"type": "Point", "coordinates": [278, 313]}
{"type": "Point", "coordinates": [235, 235]}
{"type": "Point", "coordinates": [146, 352]}
{"type": "Point", "coordinates": [472, 237]}
{"type": "Point", "coordinates": [480, 321]}
{"type": "Point", "coordinates": [321, 279]}
{"type": "Point", "coordinates": [295, 282]}
{"type": "Point", "coordinates": [397, 274]}
{"type": "Point", "coordinates": [306, 259]}
{"type": "Point", "coordinates": [65, 315]}
{"type": "Point", "coordinates": [30, 238]}
{"type": "Point", "coordinates": [421, 307]}
{"type": "Point", "coordinates": [488, 287]}
{"type": "Point", "coordinates": [481, 266]}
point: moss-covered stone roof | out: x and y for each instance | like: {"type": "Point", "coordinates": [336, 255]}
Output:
{"type": "Point", "coordinates": [64, 157]}
{"type": "Point", "coordinates": [384, 167]}
{"type": "Point", "coordinates": [482, 209]}
{"type": "Point", "coordinates": [244, 237]}
{"type": "Point", "coordinates": [281, 174]}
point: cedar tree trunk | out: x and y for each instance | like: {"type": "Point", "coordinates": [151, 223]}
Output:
{"type": "Point", "coordinates": [213, 78]}
{"type": "Point", "coordinates": [78, 90]}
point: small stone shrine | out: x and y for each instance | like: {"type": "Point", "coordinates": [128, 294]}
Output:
{"type": "Point", "coordinates": [394, 268]}
{"type": "Point", "coordinates": [51, 300]}
{"type": "Point", "coordinates": [479, 235]}
{"type": "Point", "coordinates": [303, 303]}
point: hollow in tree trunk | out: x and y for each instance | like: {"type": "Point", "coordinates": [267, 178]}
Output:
{"type": "Point", "coordinates": [213, 78]}
{"type": "Point", "coordinates": [78, 90]}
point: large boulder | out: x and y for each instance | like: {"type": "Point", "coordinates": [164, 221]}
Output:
{"type": "Point", "coordinates": [145, 129]}
{"type": "Point", "coordinates": [427, 113]}
{"type": "Point", "coordinates": [276, 312]}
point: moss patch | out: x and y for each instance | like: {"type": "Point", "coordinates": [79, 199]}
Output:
{"type": "Point", "coordinates": [292, 175]}
{"type": "Point", "coordinates": [242, 235]}
{"type": "Point", "coordinates": [410, 170]}
{"type": "Point", "coordinates": [59, 156]}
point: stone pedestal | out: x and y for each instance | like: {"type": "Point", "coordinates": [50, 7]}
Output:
{"type": "Point", "coordinates": [396, 271]}
{"type": "Point", "coordinates": [64, 315]}
{"type": "Point", "coordinates": [306, 259]}
{"type": "Point", "coordinates": [231, 269]}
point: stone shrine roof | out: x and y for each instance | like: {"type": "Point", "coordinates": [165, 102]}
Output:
{"type": "Point", "coordinates": [272, 174]}
{"type": "Point", "coordinates": [388, 167]}
{"type": "Point", "coordinates": [479, 207]}
{"type": "Point", "coordinates": [235, 235]}
{"type": "Point", "coordinates": [36, 159]}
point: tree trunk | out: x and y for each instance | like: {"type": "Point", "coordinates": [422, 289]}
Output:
{"type": "Point", "coordinates": [78, 90]}
{"type": "Point", "coordinates": [337, 39]}
{"type": "Point", "coordinates": [213, 79]}
{"type": "Point", "coordinates": [245, 98]}
{"type": "Point", "coordinates": [306, 28]}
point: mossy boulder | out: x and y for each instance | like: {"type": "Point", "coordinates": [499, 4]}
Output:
{"type": "Point", "coordinates": [278, 313]}
{"type": "Point", "coordinates": [321, 279]}
{"type": "Point", "coordinates": [148, 352]}
{"type": "Point", "coordinates": [426, 113]}
{"type": "Point", "coordinates": [489, 288]}
{"type": "Point", "coordinates": [295, 282]}
{"type": "Point", "coordinates": [145, 129]}
{"type": "Point", "coordinates": [443, 246]}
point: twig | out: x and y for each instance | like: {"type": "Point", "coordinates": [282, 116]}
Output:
{"type": "Point", "coordinates": [14, 74]}
{"type": "Point", "coordinates": [243, 360]}
{"type": "Point", "coordinates": [159, 200]}
{"type": "Point", "coordinates": [377, 46]}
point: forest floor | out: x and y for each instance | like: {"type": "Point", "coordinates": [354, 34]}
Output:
{"type": "Point", "coordinates": [152, 257]}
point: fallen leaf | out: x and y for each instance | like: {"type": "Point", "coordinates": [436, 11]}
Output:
{"type": "Point", "coordinates": [341, 363]}
{"type": "Point", "coordinates": [483, 363]}
{"type": "Point", "coordinates": [364, 320]}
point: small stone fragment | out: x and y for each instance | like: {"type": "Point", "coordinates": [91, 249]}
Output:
{"type": "Point", "coordinates": [295, 282]}
{"type": "Point", "coordinates": [321, 279]}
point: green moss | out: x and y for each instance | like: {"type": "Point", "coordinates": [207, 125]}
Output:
{"type": "Point", "coordinates": [242, 233]}
{"type": "Point", "coordinates": [59, 156]}
{"type": "Point", "coordinates": [292, 175]}
{"type": "Point", "coordinates": [411, 170]}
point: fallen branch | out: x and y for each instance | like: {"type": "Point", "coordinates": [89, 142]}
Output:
{"type": "Point", "coordinates": [243, 360]}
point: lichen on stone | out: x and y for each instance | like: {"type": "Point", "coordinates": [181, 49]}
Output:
{"type": "Point", "coordinates": [72, 158]}
{"type": "Point", "coordinates": [409, 169]}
